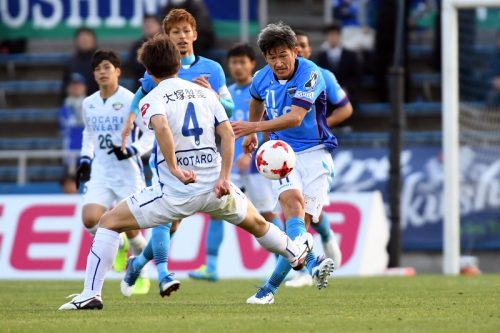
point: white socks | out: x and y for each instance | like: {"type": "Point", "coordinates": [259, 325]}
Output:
{"type": "Point", "coordinates": [99, 261]}
{"type": "Point", "coordinates": [277, 241]}
{"type": "Point", "coordinates": [137, 244]}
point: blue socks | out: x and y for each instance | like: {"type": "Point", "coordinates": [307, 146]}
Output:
{"type": "Point", "coordinates": [323, 228]}
{"type": "Point", "coordinates": [294, 227]}
{"type": "Point", "coordinates": [277, 222]}
{"type": "Point", "coordinates": [157, 249]}
{"type": "Point", "coordinates": [215, 235]}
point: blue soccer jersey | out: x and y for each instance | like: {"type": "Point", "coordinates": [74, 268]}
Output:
{"type": "Point", "coordinates": [200, 67]}
{"type": "Point", "coordinates": [241, 97]}
{"type": "Point", "coordinates": [305, 89]}
{"type": "Point", "coordinates": [335, 95]}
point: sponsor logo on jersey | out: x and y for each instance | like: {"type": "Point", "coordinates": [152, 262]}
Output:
{"type": "Point", "coordinates": [291, 91]}
{"type": "Point", "coordinates": [144, 108]}
{"type": "Point", "coordinates": [308, 94]}
{"type": "Point", "coordinates": [117, 106]}
{"type": "Point", "coordinates": [313, 80]}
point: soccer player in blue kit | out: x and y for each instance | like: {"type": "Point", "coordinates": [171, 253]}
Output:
{"type": "Point", "coordinates": [180, 27]}
{"type": "Point", "coordinates": [241, 64]}
{"type": "Point", "coordinates": [291, 92]}
{"type": "Point", "coordinates": [339, 109]}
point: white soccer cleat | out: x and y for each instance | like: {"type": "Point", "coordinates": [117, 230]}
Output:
{"type": "Point", "coordinates": [300, 280]}
{"type": "Point", "coordinates": [82, 303]}
{"type": "Point", "coordinates": [322, 271]}
{"type": "Point", "coordinates": [262, 297]}
{"type": "Point", "coordinates": [304, 243]}
{"type": "Point", "coordinates": [332, 250]}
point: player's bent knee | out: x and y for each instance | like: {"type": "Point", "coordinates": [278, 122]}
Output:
{"type": "Point", "coordinates": [108, 222]}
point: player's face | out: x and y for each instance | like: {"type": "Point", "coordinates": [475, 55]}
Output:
{"type": "Point", "coordinates": [282, 61]}
{"type": "Point", "coordinates": [183, 36]}
{"type": "Point", "coordinates": [303, 47]}
{"type": "Point", "coordinates": [241, 69]}
{"type": "Point", "coordinates": [106, 74]}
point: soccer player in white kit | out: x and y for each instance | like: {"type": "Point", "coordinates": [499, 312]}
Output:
{"type": "Point", "coordinates": [112, 174]}
{"type": "Point", "coordinates": [192, 175]}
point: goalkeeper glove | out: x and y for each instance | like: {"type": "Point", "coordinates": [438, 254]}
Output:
{"type": "Point", "coordinates": [122, 155]}
{"type": "Point", "coordinates": [83, 171]}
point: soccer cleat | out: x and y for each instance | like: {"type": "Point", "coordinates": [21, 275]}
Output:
{"type": "Point", "coordinates": [131, 276]}
{"type": "Point", "coordinates": [82, 303]}
{"type": "Point", "coordinates": [320, 273]}
{"type": "Point", "coordinates": [203, 274]}
{"type": "Point", "coordinates": [263, 296]}
{"type": "Point", "coordinates": [332, 250]}
{"type": "Point", "coordinates": [121, 257]}
{"type": "Point", "coordinates": [168, 285]}
{"type": "Point", "coordinates": [304, 243]}
{"type": "Point", "coordinates": [141, 286]}
{"type": "Point", "coordinates": [300, 280]}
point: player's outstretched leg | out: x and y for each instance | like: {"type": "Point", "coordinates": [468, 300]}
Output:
{"type": "Point", "coordinates": [101, 256]}
{"type": "Point", "coordinates": [330, 245]}
{"type": "Point", "coordinates": [215, 235]}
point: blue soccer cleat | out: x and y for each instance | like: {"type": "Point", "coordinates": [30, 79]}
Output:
{"type": "Point", "coordinates": [168, 285]}
{"type": "Point", "coordinates": [321, 271]}
{"type": "Point", "coordinates": [263, 296]}
{"type": "Point", "coordinates": [131, 276]}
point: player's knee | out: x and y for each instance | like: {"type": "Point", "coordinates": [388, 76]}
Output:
{"type": "Point", "coordinates": [89, 220]}
{"type": "Point", "coordinates": [108, 222]}
{"type": "Point", "coordinates": [293, 206]}
{"type": "Point", "coordinates": [174, 226]}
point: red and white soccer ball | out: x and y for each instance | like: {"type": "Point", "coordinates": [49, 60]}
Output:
{"type": "Point", "coordinates": [275, 159]}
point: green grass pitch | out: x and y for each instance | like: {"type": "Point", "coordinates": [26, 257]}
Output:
{"type": "Point", "coordinates": [390, 304]}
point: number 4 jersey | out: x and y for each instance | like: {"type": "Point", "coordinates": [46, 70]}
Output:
{"type": "Point", "coordinates": [104, 121]}
{"type": "Point", "coordinates": [193, 113]}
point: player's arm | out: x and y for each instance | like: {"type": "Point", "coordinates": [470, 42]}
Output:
{"type": "Point", "coordinates": [339, 115]}
{"type": "Point", "coordinates": [225, 131]}
{"type": "Point", "coordinates": [133, 112]}
{"type": "Point", "coordinates": [86, 153]}
{"type": "Point", "coordinates": [222, 94]}
{"type": "Point", "coordinates": [165, 141]}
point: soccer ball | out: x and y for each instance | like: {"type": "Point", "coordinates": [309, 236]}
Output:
{"type": "Point", "coordinates": [275, 159]}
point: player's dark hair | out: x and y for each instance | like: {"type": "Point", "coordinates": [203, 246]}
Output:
{"type": "Point", "coordinates": [240, 50]}
{"type": "Point", "coordinates": [275, 35]}
{"type": "Point", "coordinates": [332, 27]}
{"type": "Point", "coordinates": [109, 55]}
{"type": "Point", "coordinates": [160, 56]}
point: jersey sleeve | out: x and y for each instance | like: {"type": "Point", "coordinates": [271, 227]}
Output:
{"type": "Point", "coordinates": [254, 87]}
{"type": "Point", "coordinates": [334, 93]}
{"type": "Point", "coordinates": [310, 84]}
{"type": "Point", "coordinates": [147, 83]}
{"type": "Point", "coordinates": [151, 106]}
{"type": "Point", "coordinates": [87, 137]}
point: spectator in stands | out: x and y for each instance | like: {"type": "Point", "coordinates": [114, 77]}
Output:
{"type": "Point", "coordinates": [70, 115]}
{"type": "Point", "coordinates": [85, 46]}
{"type": "Point", "coordinates": [343, 63]}
{"type": "Point", "coordinates": [493, 77]}
{"type": "Point", "coordinates": [151, 25]}
{"type": "Point", "coordinates": [204, 25]}
{"type": "Point", "coordinates": [357, 35]}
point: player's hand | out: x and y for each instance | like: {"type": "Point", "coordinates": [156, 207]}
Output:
{"type": "Point", "coordinates": [122, 154]}
{"type": "Point", "coordinates": [127, 128]}
{"type": "Point", "coordinates": [250, 143]}
{"type": "Point", "coordinates": [243, 162]}
{"type": "Point", "coordinates": [242, 128]}
{"type": "Point", "coordinates": [202, 81]}
{"type": "Point", "coordinates": [83, 171]}
{"type": "Point", "coordinates": [222, 188]}
{"type": "Point", "coordinates": [185, 176]}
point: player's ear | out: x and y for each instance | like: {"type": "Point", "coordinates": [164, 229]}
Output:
{"type": "Point", "coordinates": [195, 35]}
{"type": "Point", "coordinates": [295, 51]}
{"type": "Point", "coordinates": [118, 71]}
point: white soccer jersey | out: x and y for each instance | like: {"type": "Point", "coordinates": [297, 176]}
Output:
{"type": "Point", "coordinates": [193, 113]}
{"type": "Point", "coordinates": [103, 126]}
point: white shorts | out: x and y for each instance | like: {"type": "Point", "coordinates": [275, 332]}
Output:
{"type": "Point", "coordinates": [259, 191]}
{"type": "Point", "coordinates": [99, 193]}
{"type": "Point", "coordinates": [151, 207]}
{"type": "Point", "coordinates": [312, 176]}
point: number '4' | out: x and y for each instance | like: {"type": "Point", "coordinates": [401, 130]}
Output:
{"type": "Point", "coordinates": [189, 117]}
